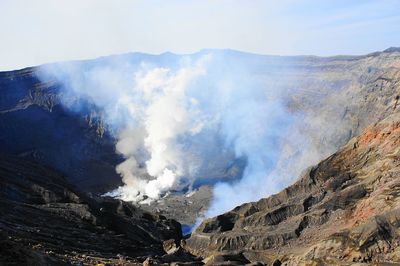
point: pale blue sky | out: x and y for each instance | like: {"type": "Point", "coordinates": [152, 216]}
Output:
{"type": "Point", "coordinates": [39, 31]}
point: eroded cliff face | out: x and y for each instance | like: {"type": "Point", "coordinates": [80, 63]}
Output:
{"type": "Point", "coordinates": [341, 97]}
{"type": "Point", "coordinates": [345, 209]}
{"type": "Point", "coordinates": [34, 125]}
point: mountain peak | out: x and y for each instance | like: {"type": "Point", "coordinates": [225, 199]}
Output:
{"type": "Point", "coordinates": [392, 49]}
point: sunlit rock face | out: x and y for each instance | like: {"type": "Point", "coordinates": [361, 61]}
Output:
{"type": "Point", "coordinates": [344, 209]}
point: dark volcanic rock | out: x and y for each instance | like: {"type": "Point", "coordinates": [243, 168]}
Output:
{"type": "Point", "coordinates": [44, 218]}
{"type": "Point", "coordinates": [184, 207]}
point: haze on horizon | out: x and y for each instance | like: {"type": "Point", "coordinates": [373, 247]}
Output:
{"type": "Point", "coordinates": [40, 31]}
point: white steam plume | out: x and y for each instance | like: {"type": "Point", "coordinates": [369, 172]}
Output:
{"type": "Point", "coordinates": [172, 117]}
{"type": "Point", "coordinates": [165, 113]}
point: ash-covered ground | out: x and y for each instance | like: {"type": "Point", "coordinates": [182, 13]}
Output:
{"type": "Point", "coordinates": [185, 207]}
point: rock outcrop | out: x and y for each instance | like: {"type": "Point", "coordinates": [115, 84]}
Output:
{"type": "Point", "coordinates": [345, 209]}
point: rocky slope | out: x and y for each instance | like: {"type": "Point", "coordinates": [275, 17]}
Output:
{"type": "Point", "coordinates": [46, 221]}
{"type": "Point", "coordinates": [345, 209]}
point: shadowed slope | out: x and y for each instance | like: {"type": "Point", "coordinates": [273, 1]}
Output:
{"type": "Point", "coordinates": [42, 214]}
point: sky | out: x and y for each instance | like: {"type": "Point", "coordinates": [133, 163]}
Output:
{"type": "Point", "coordinates": [40, 31]}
